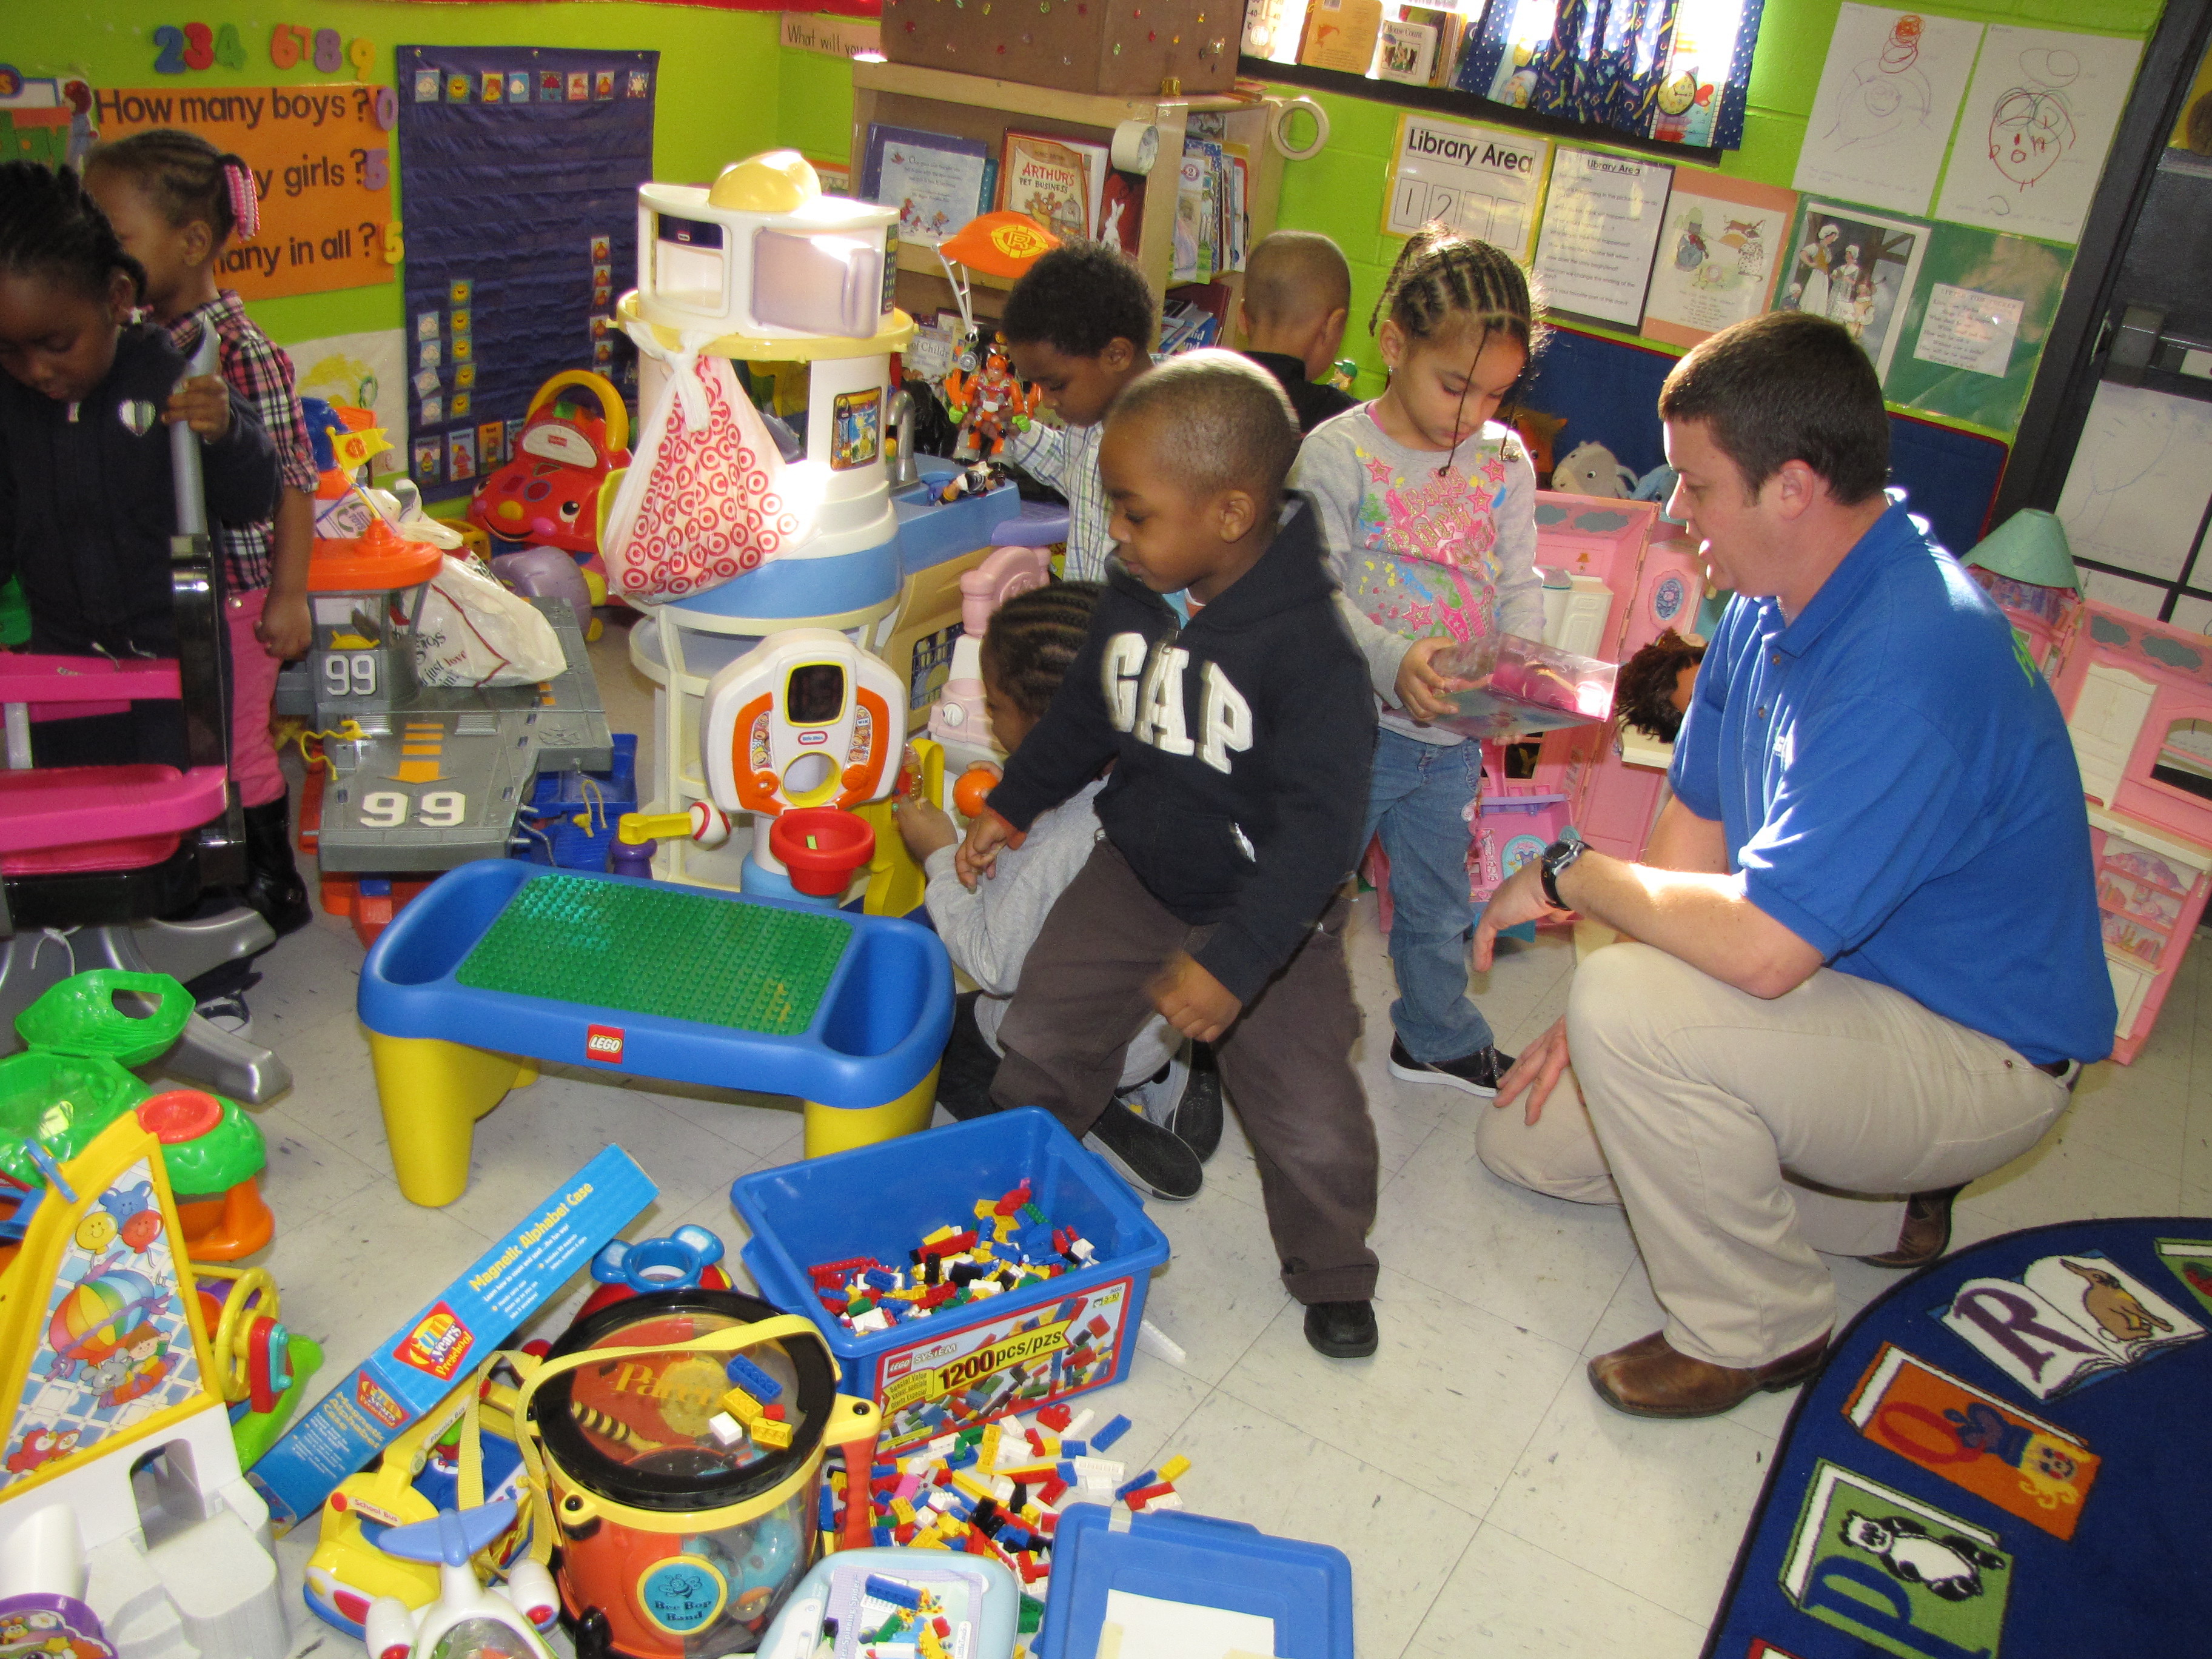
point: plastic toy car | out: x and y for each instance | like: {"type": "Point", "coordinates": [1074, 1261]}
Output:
{"type": "Point", "coordinates": [548, 494]}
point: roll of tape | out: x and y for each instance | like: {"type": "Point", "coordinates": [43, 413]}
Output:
{"type": "Point", "coordinates": [1282, 125]}
{"type": "Point", "coordinates": [1136, 146]}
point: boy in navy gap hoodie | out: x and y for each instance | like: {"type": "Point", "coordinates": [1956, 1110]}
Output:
{"type": "Point", "coordinates": [1241, 745]}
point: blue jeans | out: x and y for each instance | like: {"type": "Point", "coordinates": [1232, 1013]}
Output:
{"type": "Point", "coordinates": [1419, 799]}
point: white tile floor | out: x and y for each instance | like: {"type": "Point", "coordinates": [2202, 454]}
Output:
{"type": "Point", "coordinates": [1491, 1505]}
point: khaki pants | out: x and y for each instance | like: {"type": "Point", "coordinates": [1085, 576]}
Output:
{"type": "Point", "coordinates": [1717, 1119]}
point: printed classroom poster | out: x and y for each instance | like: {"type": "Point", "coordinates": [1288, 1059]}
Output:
{"type": "Point", "coordinates": [1601, 225]}
{"type": "Point", "coordinates": [1722, 241]}
{"type": "Point", "coordinates": [2038, 120]}
{"type": "Point", "coordinates": [1889, 96]}
{"type": "Point", "coordinates": [1481, 181]}
{"type": "Point", "coordinates": [1854, 268]}
{"type": "Point", "coordinates": [321, 165]}
{"type": "Point", "coordinates": [363, 371]}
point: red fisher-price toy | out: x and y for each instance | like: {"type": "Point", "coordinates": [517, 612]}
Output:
{"type": "Point", "coordinates": [548, 494]}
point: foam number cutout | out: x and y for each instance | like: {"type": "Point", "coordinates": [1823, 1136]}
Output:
{"type": "Point", "coordinates": [229, 50]}
{"type": "Point", "coordinates": [199, 46]}
{"type": "Point", "coordinates": [388, 108]}
{"type": "Point", "coordinates": [372, 168]}
{"type": "Point", "coordinates": [394, 249]}
{"type": "Point", "coordinates": [362, 54]}
{"type": "Point", "coordinates": [171, 40]}
{"type": "Point", "coordinates": [284, 45]}
{"type": "Point", "coordinates": [328, 51]}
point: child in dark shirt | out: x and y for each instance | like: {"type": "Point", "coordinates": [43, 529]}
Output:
{"type": "Point", "coordinates": [1240, 745]}
{"type": "Point", "coordinates": [87, 505]}
{"type": "Point", "coordinates": [1297, 294]}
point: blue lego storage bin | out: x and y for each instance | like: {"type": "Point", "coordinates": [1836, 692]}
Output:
{"type": "Point", "coordinates": [1306, 1589]}
{"type": "Point", "coordinates": [958, 1369]}
{"type": "Point", "coordinates": [572, 816]}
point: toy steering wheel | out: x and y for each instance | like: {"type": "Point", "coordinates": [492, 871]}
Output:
{"type": "Point", "coordinates": [247, 1340]}
{"type": "Point", "coordinates": [611, 406]}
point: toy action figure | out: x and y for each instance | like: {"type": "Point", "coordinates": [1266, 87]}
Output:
{"type": "Point", "coordinates": [989, 403]}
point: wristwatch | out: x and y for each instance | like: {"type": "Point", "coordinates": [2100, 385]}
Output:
{"type": "Point", "coordinates": [1553, 863]}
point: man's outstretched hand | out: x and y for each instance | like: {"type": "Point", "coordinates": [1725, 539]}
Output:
{"type": "Point", "coordinates": [1519, 899]}
{"type": "Point", "coordinates": [1536, 1073]}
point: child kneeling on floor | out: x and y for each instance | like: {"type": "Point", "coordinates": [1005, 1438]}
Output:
{"type": "Point", "coordinates": [988, 933]}
{"type": "Point", "coordinates": [1240, 746]}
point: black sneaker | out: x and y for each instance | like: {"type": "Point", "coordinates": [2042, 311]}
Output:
{"type": "Point", "coordinates": [1149, 1158]}
{"type": "Point", "coordinates": [1196, 1121]}
{"type": "Point", "coordinates": [1342, 1330]}
{"type": "Point", "coordinates": [1477, 1073]}
{"type": "Point", "coordinates": [969, 1066]}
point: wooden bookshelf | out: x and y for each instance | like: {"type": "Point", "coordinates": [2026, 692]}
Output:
{"type": "Point", "coordinates": [976, 107]}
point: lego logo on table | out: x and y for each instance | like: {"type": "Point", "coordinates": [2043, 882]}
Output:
{"type": "Point", "coordinates": [438, 1345]}
{"type": "Point", "coordinates": [604, 1043]}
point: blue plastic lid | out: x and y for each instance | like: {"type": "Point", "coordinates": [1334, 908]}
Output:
{"type": "Point", "coordinates": [1306, 1589]}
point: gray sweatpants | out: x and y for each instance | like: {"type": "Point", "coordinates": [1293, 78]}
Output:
{"type": "Point", "coordinates": [1286, 1062]}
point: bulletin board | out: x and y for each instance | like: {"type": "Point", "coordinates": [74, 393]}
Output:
{"type": "Point", "coordinates": [322, 165]}
{"type": "Point", "coordinates": [521, 167]}
{"type": "Point", "coordinates": [1974, 334]}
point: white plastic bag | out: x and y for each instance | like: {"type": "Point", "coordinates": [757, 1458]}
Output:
{"type": "Point", "coordinates": [472, 632]}
{"type": "Point", "coordinates": [708, 496]}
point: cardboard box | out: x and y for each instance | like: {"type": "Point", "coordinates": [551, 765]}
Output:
{"type": "Point", "coordinates": [1125, 48]}
{"type": "Point", "coordinates": [452, 1335]}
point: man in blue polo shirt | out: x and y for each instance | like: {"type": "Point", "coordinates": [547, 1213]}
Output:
{"type": "Point", "coordinates": [1869, 966]}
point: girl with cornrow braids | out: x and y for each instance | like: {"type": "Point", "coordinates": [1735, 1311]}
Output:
{"type": "Point", "coordinates": [1031, 639]}
{"type": "Point", "coordinates": [1427, 504]}
{"type": "Point", "coordinates": [176, 202]}
{"type": "Point", "coordinates": [86, 504]}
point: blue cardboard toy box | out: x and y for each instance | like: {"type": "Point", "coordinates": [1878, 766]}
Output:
{"type": "Point", "coordinates": [425, 1358]}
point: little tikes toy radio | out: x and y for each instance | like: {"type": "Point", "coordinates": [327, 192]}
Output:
{"type": "Point", "coordinates": [674, 1442]}
{"type": "Point", "coordinates": [806, 718]}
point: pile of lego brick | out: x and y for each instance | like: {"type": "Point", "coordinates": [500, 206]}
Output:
{"type": "Point", "coordinates": [953, 1267]}
{"type": "Point", "coordinates": [998, 1491]}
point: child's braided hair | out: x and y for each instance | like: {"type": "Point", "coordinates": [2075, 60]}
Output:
{"type": "Point", "coordinates": [187, 178]}
{"type": "Point", "coordinates": [1034, 636]}
{"type": "Point", "coordinates": [50, 228]}
{"type": "Point", "coordinates": [1443, 278]}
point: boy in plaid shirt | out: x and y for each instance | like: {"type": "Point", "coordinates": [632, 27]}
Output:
{"type": "Point", "coordinates": [175, 201]}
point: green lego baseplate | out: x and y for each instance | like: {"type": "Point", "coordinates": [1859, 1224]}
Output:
{"type": "Point", "coordinates": [652, 950]}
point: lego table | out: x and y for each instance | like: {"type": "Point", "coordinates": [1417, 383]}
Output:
{"type": "Point", "coordinates": [645, 978]}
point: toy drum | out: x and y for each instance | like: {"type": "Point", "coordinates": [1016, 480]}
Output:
{"type": "Point", "coordinates": [678, 1439]}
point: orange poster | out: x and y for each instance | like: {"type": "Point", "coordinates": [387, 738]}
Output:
{"type": "Point", "coordinates": [321, 164]}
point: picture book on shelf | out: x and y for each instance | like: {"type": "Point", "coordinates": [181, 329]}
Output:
{"type": "Point", "coordinates": [936, 181]}
{"type": "Point", "coordinates": [1122, 211]}
{"type": "Point", "coordinates": [1407, 52]}
{"type": "Point", "coordinates": [1058, 182]}
{"type": "Point", "coordinates": [2066, 1321]}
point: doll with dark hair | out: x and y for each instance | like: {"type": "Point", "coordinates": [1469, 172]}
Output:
{"type": "Point", "coordinates": [1652, 692]}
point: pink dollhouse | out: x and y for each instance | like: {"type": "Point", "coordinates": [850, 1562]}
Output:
{"type": "Point", "coordinates": [2138, 700]}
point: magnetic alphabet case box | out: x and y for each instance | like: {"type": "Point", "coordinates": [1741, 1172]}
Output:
{"type": "Point", "coordinates": [423, 1360]}
{"type": "Point", "coordinates": [1125, 48]}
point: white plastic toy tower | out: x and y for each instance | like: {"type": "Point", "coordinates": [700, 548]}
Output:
{"type": "Point", "coordinates": [763, 267]}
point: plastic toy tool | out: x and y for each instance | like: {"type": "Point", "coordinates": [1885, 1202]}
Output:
{"type": "Point", "coordinates": [466, 1621]}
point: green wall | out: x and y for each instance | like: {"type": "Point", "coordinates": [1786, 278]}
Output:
{"type": "Point", "coordinates": [727, 89]}
{"type": "Point", "coordinates": [718, 98]}
{"type": "Point", "coordinates": [1340, 191]}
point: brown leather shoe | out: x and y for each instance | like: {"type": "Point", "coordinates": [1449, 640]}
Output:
{"type": "Point", "coordinates": [1651, 1378]}
{"type": "Point", "coordinates": [1926, 1233]}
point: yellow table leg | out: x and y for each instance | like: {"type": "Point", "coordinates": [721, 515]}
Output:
{"type": "Point", "coordinates": [838, 1128]}
{"type": "Point", "coordinates": [433, 1092]}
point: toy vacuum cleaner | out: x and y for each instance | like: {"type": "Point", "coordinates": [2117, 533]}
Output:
{"type": "Point", "coordinates": [675, 1442]}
